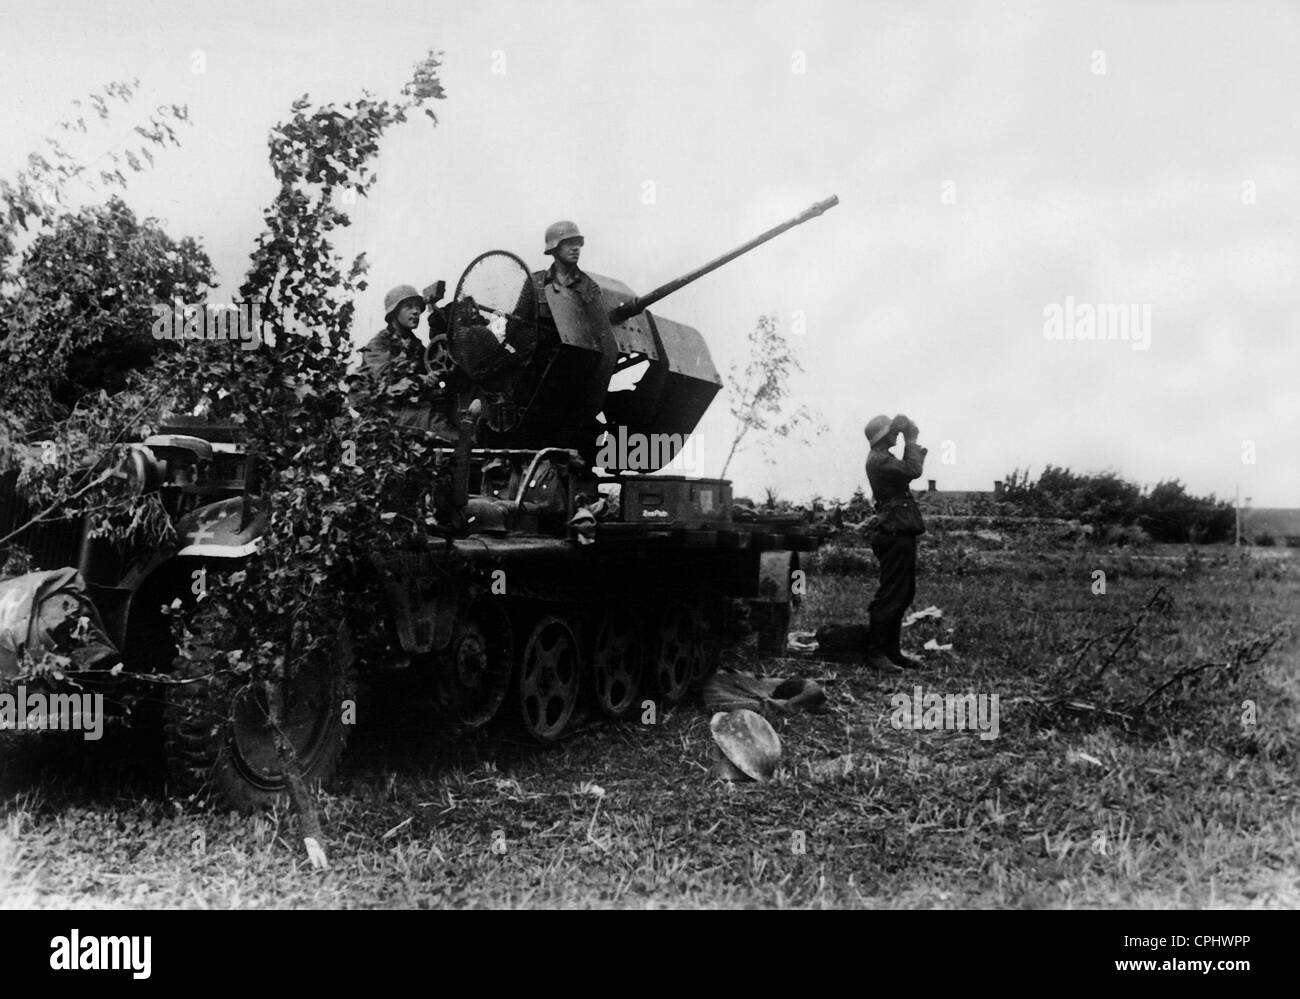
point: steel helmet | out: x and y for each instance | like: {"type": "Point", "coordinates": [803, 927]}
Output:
{"type": "Point", "coordinates": [397, 296]}
{"type": "Point", "coordinates": [558, 232]}
{"type": "Point", "coordinates": [748, 741]}
{"type": "Point", "coordinates": [877, 427]}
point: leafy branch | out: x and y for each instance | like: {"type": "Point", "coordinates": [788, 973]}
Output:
{"type": "Point", "coordinates": [761, 392]}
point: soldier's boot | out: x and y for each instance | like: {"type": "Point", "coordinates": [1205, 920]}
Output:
{"type": "Point", "coordinates": [877, 657]}
{"type": "Point", "coordinates": [894, 651]}
{"type": "Point", "coordinates": [881, 663]}
{"type": "Point", "coordinates": [904, 661]}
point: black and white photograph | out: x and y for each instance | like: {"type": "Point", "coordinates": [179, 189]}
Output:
{"type": "Point", "coordinates": [650, 455]}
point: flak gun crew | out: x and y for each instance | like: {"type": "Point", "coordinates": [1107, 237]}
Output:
{"type": "Point", "coordinates": [893, 538]}
{"type": "Point", "coordinates": [396, 353]}
{"type": "Point", "coordinates": [564, 242]}
{"type": "Point", "coordinates": [565, 284]}
{"type": "Point", "coordinates": [564, 278]}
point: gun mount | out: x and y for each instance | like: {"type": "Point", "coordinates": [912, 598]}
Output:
{"type": "Point", "coordinates": [547, 380]}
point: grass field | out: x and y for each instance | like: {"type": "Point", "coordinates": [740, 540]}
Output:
{"type": "Point", "coordinates": [1101, 789]}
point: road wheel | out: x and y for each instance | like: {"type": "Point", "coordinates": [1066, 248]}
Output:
{"type": "Point", "coordinates": [679, 650]}
{"type": "Point", "coordinates": [474, 674]}
{"type": "Point", "coordinates": [549, 678]}
{"type": "Point", "coordinates": [219, 740]}
{"type": "Point", "coordinates": [617, 661]}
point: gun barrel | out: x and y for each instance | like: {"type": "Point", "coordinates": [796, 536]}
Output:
{"type": "Point", "coordinates": [642, 302]}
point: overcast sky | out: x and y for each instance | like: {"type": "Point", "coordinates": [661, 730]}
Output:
{"type": "Point", "coordinates": [993, 161]}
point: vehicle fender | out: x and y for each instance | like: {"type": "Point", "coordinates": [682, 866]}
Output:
{"type": "Point", "coordinates": [220, 530]}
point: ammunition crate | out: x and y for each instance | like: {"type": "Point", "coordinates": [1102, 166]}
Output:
{"type": "Point", "coordinates": [676, 500]}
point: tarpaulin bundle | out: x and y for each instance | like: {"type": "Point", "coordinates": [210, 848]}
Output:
{"type": "Point", "coordinates": [50, 612]}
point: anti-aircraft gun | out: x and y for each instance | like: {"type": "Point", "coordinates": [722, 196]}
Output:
{"type": "Point", "coordinates": [545, 379]}
{"type": "Point", "coordinates": [567, 568]}
{"type": "Point", "coordinates": [564, 572]}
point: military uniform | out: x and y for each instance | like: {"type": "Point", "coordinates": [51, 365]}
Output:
{"type": "Point", "coordinates": [893, 540]}
{"type": "Point", "coordinates": [388, 358]}
{"type": "Point", "coordinates": [587, 382]}
{"type": "Point", "coordinates": [549, 285]}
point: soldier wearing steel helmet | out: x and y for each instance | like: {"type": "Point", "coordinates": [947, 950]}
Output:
{"type": "Point", "coordinates": [897, 524]}
{"type": "Point", "coordinates": [564, 279]}
{"type": "Point", "coordinates": [564, 244]}
{"type": "Point", "coordinates": [393, 361]}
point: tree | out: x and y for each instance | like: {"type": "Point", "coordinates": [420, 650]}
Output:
{"type": "Point", "coordinates": [332, 483]}
{"type": "Point", "coordinates": [338, 488]}
{"type": "Point", "coordinates": [80, 316]}
{"type": "Point", "coordinates": [761, 393]}
{"type": "Point", "coordinates": [1170, 513]}
{"type": "Point", "coordinates": [1104, 500]}
{"type": "Point", "coordinates": [74, 285]}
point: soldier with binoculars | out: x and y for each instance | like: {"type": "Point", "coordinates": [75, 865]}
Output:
{"type": "Point", "coordinates": [897, 524]}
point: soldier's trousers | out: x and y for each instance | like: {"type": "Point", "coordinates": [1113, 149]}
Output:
{"type": "Point", "coordinates": [896, 554]}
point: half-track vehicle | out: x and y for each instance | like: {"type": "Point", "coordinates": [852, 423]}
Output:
{"type": "Point", "coordinates": [574, 571]}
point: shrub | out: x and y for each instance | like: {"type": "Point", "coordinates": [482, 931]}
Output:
{"type": "Point", "coordinates": [841, 560]}
{"type": "Point", "coordinates": [1127, 535]}
{"type": "Point", "coordinates": [1105, 501]}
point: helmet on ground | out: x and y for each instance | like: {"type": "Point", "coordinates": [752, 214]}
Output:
{"type": "Point", "coordinates": [558, 232]}
{"type": "Point", "coordinates": [397, 296]}
{"type": "Point", "coordinates": [877, 427]}
{"type": "Point", "coordinates": [748, 741]}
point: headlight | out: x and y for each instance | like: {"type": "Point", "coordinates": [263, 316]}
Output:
{"type": "Point", "coordinates": [137, 473]}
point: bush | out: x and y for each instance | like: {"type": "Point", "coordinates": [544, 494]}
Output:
{"type": "Point", "coordinates": [1106, 502]}
{"type": "Point", "coordinates": [1129, 535]}
{"type": "Point", "coordinates": [1170, 513]}
{"type": "Point", "coordinates": [841, 560]}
